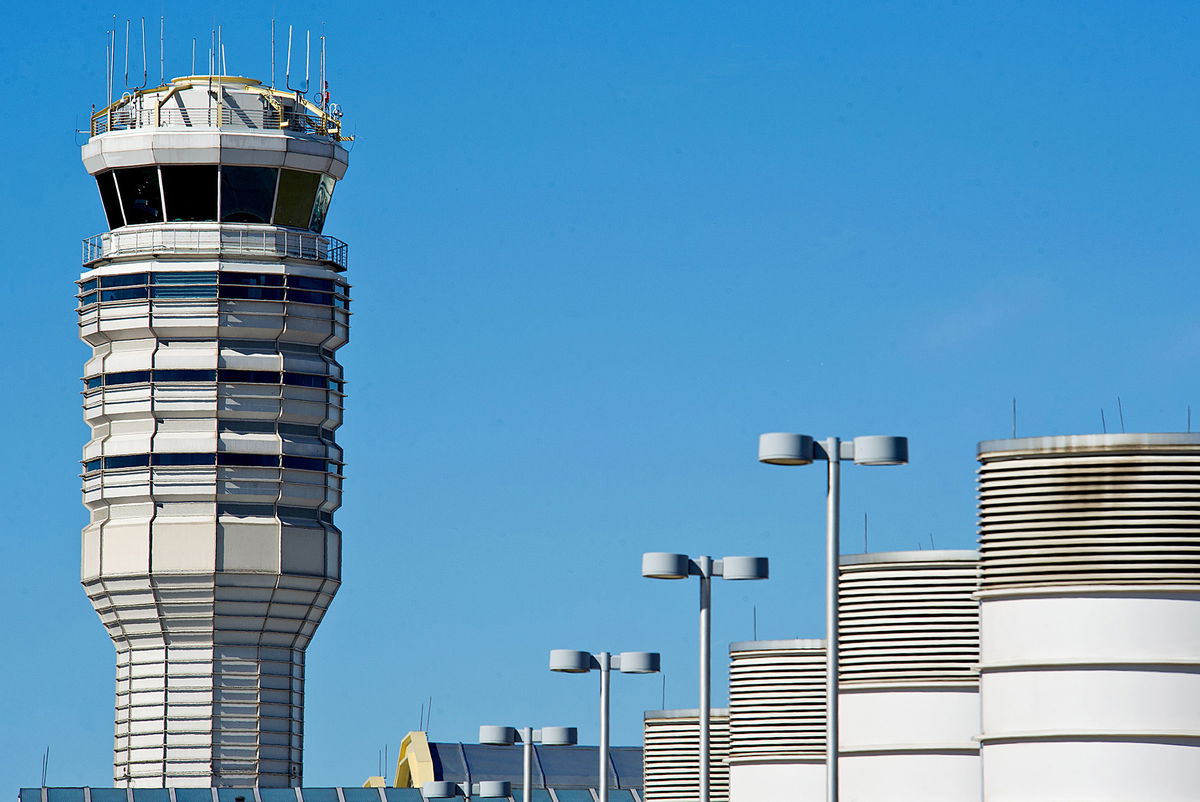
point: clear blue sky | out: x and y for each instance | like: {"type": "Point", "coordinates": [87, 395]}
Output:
{"type": "Point", "coordinates": [596, 249]}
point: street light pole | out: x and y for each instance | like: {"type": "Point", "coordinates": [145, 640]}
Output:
{"type": "Point", "coordinates": [605, 677]}
{"type": "Point", "coordinates": [527, 764]}
{"type": "Point", "coordinates": [786, 448]}
{"type": "Point", "coordinates": [507, 736]}
{"type": "Point", "coordinates": [663, 565]}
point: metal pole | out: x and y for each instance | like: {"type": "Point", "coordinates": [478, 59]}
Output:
{"type": "Point", "coordinates": [602, 780]}
{"type": "Point", "coordinates": [705, 564]}
{"type": "Point", "coordinates": [833, 447]}
{"type": "Point", "coordinates": [527, 767]}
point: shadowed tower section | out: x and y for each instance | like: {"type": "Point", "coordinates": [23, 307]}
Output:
{"type": "Point", "coordinates": [214, 307]}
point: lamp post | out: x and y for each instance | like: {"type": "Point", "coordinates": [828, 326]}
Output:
{"type": "Point", "coordinates": [570, 661]}
{"type": "Point", "coordinates": [526, 736]}
{"type": "Point", "coordinates": [661, 565]}
{"type": "Point", "coordinates": [785, 448]}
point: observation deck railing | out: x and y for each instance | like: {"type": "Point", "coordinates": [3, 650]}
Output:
{"type": "Point", "coordinates": [129, 117]}
{"type": "Point", "coordinates": [215, 239]}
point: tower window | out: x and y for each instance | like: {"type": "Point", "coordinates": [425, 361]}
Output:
{"type": "Point", "coordinates": [297, 193]}
{"type": "Point", "coordinates": [108, 197]}
{"type": "Point", "coordinates": [191, 192]}
{"type": "Point", "coordinates": [141, 196]}
{"type": "Point", "coordinates": [247, 194]}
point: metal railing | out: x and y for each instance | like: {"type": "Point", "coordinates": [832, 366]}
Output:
{"type": "Point", "coordinates": [215, 239]}
{"type": "Point", "coordinates": [129, 117]}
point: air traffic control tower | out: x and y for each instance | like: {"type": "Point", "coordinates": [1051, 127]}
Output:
{"type": "Point", "coordinates": [214, 307]}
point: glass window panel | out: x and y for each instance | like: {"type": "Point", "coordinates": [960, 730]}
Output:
{"type": "Point", "coordinates": [185, 375]}
{"type": "Point", "coordinates": [335, 384]}
{"type": "Point", "coordinates": [92, 382]}
{"type": "Point", "coordinates": [299, 429]}
{"type": "Point", "coordinates": [307, 297]}
{"type": "Point", "coordinates": [64, 795]}
{"type": "Point", "coordinates": [299, 513]}
{"type": "Point", "coordinates": [251, 376]}
{"type": "Point", "coordinates": [110, 795]}
{"type": "Point", "coordinates": [91, 465]}
{"type": "Point", "coordinates": [193, 795]}
{"type": "Point", "coordinates": [252, 279]}
{"type": "Point", "coordinates": [89, 299]}
{"type": "Point", "coordinates": [198, 291]}
{"type": "Point", "coordinates": [249, 426]}
{"type": "Point", "coordinates": [307, 283]}
{"type": "Point", "coordinates": [319, 794]}
{"type": "Point", "coordinates": [123, 295]}
{"type": "Point", "coordinates": [247, 510]}
{"type": "Point", "coordinates": [108, 197]}
{"type": "Point", "coordinates": [127, 461]}
{"type": "Point", "coordinates": [297, 192]}
{"type": "Point", "coordinates": [205, 277]}
{"type": "Point", "coordinates": [253, 293]}
{"type": "Point", "coordinates": [401, 794]}
{"type": "Point", "coordinates": [145, 795]}
{"type": "Point", "coordinates": [191, 191]}
{"type": "Point", "coordinates": [235, 794]}
{"type": "Point", "coordinates": [277, 794]}
{"type": "Point", "coordinates": [140, 194]}
{"type": "Point", "coordinates": [247, 194]}
{"type": "Point", "coordinates": [127, 377]}
{"type": "Point", "coordinates": [127, 280]}
{"type": "Point", "coordinates": [361, 794]}
{"type": "Point", "coordinates": [620, 794]}
{"type": "Point", "coordinates": [341, 303]}
{"type": "Point", "coordinates": [89, 285]}
{"type": "Point", "coordinates": [574, 795]}
{"type": "Point", "coordinates": [304, 463]}
{"type": "Point", "coordinates": [249, 460]}
{"type": "Point", "coordinates": [321, 207]}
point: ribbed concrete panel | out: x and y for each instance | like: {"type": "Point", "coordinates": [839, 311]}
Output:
{"type": "Point", "coordinates": [671, 755]}
{"type": "Point", "coordinates": [1090, 614]}
{"type": "Point", "coordinates": [777, 720]}
{"type": "Point", "coordinates": [214, 308]}
{"type": "Point", "coordinates": [909, 627]}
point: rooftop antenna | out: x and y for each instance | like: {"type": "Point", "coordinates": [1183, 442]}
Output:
{"type": "Point", "coordinates": [193, 72]}
{"type": "Point", "coordinates": [428, 713]}
{"type": "Point", "coordinates": [145, 70]}
{"type": "Point", "coordinates": [754, 621]}
{"type": "Point", "coordinates": [126, 54]}
{"type": "Point", "coordinates": [45, 764]}
{"type": "Point", "coordinates": [664, 686]}
{"type": "Point", "coordinates": [272, 52]}
{"type": "Point", "coordinates": [224, 66]}
{"type": "Point", "coordinates": [1189, 418]}
{"type": "Point", "coordinates": [110, 58]}
{"type": "Point", "coordinates": [321, 69]}
{"type": "Point", "coordinates": [1014, 416]}
{"type": "Point", "coordinates": [1121, 413]}
{"type": "Point", "coordinates": [162, 53]}
{"type": "Point", "coordinates": [1103, 423]}
{"type": "Point", "coordinates": [421, 720]}
{"type": "Point", "coordinates": [865, 549]}
{"type": "Point", "coordinates": [932, 545]}
{"type": "Point", "coordinates": [220, 49]}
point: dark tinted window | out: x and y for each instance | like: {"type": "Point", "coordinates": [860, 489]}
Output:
{"type": "Point", "coordinates": [321, 207]}
{"type": "Point", "coordinates": [305, 380]}
{"type": "Point", "coordinates": [247, 426]}
{"type": "Point", "coordinates": [252, 376]}
{"type": "Point", "coordinates": [191, 191]}
{"type": "Point", "coordinates": [185, 375]}
{"type": "Point", "coordinates": [304, 463]}
{"type": "Point", "coordinates": [306, 297]}
{"type": "Point", "coordinates": [247, 194]}
{"type": "Point", "coordinates": [297, 192]}
{"type": "Point", "coordinates": [252, 279]}
{"type": "Point", "coordinates": [253, 293]}
{"type": "Point", "coordinates": [182, 459]}
{"type": "Point", "coordinates": [129, 461]}
{"type": "Point", "coordinates": [140, 195]}
{"type": "Point", "coordinates": [306, 283]}
{"type": "Point", "coordinates": [127, 377]}
{"type": "Point", "coordinates": [108, 197]}
{"type": "Point", "coordinates": [91, 465]}
{"type": "Point", "coordinates": [92, 382]}
{"type": "Point", "coordinates": [90, 284]}
{"type": "Point", "coordinates": [127, 280]}
{"type": "Point", "coordinates": [123, 295]}
{"type": "Point", "coordinates": [249, 460]}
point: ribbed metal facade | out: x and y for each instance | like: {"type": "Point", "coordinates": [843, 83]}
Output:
{"type": "Point", "coordinates": [671, 755]}
{"type": "Point", "coordinates": [776, 700]}
{"type": "Point", "coordinates": [909, 636]}
{"type": "Point", "coordinates": [213, 309]}
{"type": "Point", "coordinates": [1091, 617]}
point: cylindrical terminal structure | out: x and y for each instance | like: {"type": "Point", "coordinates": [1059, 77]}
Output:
{"type": "Point", "coordinates": [214, 306]}
{"type": "Point", "coordinates": [909, 685]}
{"type": "Point", "coordinates": [670, 755]}
{"type": "Point", "coordinates": [777, 721]}
{"type": "Point", "coordinates": [1090, 605]}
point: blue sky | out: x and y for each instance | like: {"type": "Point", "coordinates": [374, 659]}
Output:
{"type": "Point", "coordinates": [596, 249]}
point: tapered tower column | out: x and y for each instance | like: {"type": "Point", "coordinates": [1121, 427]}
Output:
{"type": "Point", "coordinates": [214, 307]}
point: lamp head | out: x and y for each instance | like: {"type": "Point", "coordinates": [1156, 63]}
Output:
{"type": "Point", "coordinates": [880, 450]}
{"type": "Point", "coordinates": [745, 568]}
{"type": "Point", "coordinates": [661, 565]}
{"type": "Point", "coordinates": [493, 788]}
{"type": "Point", "coordinates": [785, 448]}
{"type": "Point", "coordinates": [639, 662]}
{"type": "Point", "coordinates": [498, 736]}
{"type": "Point", "coordinates": [560, 736]}
{"type": "Point", "coordinates": [571, 661]}
{"type": "Point", "coordinates": [439, 789]}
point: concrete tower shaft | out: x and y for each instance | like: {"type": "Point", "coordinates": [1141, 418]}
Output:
{"type": "Point", "coordinates": [214, 307]}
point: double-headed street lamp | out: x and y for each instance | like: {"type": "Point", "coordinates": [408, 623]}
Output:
{"type": "Point", "coordinates": [661, 565]}
{"type": "Point", "coordinates": [574, 662]}
{"type": "Point", "coordinates": [785, 448]}
{"type": "Point", "coordinates": [526, 736]}
{"type": "Point", "coordinates": [441, 789]}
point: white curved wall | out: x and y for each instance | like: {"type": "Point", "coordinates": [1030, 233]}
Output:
{"type": "Point", "coordinates": [793, 781]}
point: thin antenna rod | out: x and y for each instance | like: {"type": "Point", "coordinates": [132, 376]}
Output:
{"type": "Point", "coordinates": [1014, 416]}
{"type": "Point", "coordinates": [287, 71]}
{"type": "Point", "coordinates": [421, 720]}
{"type": "Point", "coordinates": [1121, 413]}
{"type": "Point", "coordinates": [865, 549]}
{"type": "Point", "coordinates": [932, 545]}
{"type": "Point", "coordinates": [224, 66]}
{"type": "Point", "coordinates": [126, 54]}
{"type": "Point", "coordinates": [193, 72]}
{"type": "Point", "coordinates": [162, 51]}
{"type": "Point", "coordinates": [307, 58]}
{"type": "Point", "coordinates": [1189, 418]}
{"type": "Point", "coordinates": [1103, 423]}
{"type": "Point", "coordinates": [145, 67]}
{"type": "Point", "coordinates": [220, 49]}
{"type": "Point", "coordinates": [428, 713]}
{"type": "Point", "coordinates": [754, 619]}
{"type": "Point", "coordinates": [272, 52]}
{"type": "Point", "coordinates": [664, 686]}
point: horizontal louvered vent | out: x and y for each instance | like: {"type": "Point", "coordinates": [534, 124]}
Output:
{"type": "Point", "coordinates": [671, 755]}
{"type": "Point", "coordinates": [777, 703]}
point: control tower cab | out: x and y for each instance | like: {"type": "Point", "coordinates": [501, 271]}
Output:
{"type": "Point", "coordinates": [214, 306]}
